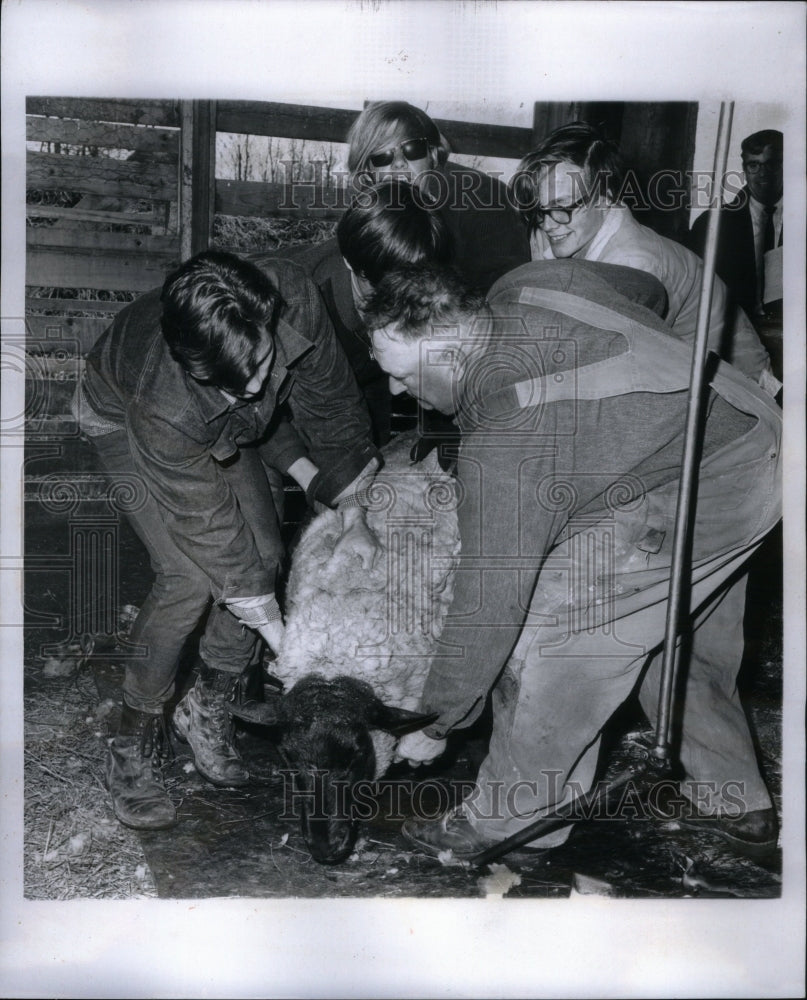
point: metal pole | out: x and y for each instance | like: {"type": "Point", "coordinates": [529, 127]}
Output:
{"type": "Point", "coordinates": [681, 537]}
{"type": "Point", "coordinates": [579, 807]}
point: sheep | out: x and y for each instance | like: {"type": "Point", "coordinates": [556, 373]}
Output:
{"type": "Point", "coordinates": [358, 643]}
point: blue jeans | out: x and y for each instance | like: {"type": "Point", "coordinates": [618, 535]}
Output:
{"type": "Point", "coordinates": [181, 593]}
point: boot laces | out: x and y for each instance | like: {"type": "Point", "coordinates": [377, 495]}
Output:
{"type": "Point", "coordinates": [155, 741]}
{"type": "Point", "coordinates": [223, 690]}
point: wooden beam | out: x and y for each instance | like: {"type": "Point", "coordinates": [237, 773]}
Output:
{"type": "Point", "coordinates": [80, 239]}
{"type": "Point", "coordinates": [473, 139]}
{"type": "Point", "coordinates": [265, 200]}
{"type": "Point", "coordinates": [291, 121]}
{"type": "Point", "coordinates": [103, 135]}
{"type": "Point", "coordinates": [100, 175]}
{"type": "Point", "coordinates": [132, 112]}
{"type": "Point", "coordinates": [298, 121]}
{"type": "Point", "coordinates": [78, 214]}
{"type": "Point", "coordinates": [110, 271]}
{"type": "Point", "coordinates": [59, 305]}
{"type": "Point", "coordinates": [197, 176]}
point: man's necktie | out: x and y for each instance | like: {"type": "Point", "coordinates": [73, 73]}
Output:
{"type": "Point", "coordinates": [767, 244]}
{"type": "Point", "coordinates": [767, 237]}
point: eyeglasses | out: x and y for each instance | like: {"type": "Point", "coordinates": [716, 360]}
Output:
{"type": "Point", "coordinates": [755, 166]}
{"type": "Point", "coordinates": [412, 149]}
{"type": "Point", "coordinates": [559, 215]}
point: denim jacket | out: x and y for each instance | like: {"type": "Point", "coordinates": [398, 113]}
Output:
{"type": "Point", "coordinates": [179, 430]}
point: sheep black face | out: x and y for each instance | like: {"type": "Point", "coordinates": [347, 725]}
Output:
{"type": "Point", "coordinates": [323, 729]}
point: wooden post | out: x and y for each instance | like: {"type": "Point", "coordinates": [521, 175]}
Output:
{"type": "Point", "coordinates": [658, 145]}
{"type": "Point", "coordinates": [547, 117]}
{"type": "Point", "coordinates": [197, 176]}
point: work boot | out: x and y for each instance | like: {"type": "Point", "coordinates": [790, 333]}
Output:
{"type": "Point", "coordinates": [202, 718]}
{"type": "Point", "coordinates": [450, 832]}
{"type": "Point", "coordinates": [133, 774]}
{"type": "Point", "coordinates": [754, 834]}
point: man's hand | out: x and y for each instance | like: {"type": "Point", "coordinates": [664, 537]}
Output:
{"type": "Point", "coordinates": [262, 614]}
{"type": "Point", "coordinates": [272, 633]}
{"type": "Point", "coordinates": [418, 748]}
{"type": "Point", "coordinates": [356, 539]}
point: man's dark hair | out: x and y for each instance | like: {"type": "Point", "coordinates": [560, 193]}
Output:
{"type": "Point", "coordinates": [392, 224]}
{"type": "Point", "coordinates": [416, 299]}
{"type": "Point", "coordinates": [756, 144]}
{"type": "Point", "coordinates": [599, 159]}
{"type": "Point", "coordinates": [217, 314]}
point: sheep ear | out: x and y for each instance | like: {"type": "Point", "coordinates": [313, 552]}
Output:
{"type": "Point", "coordinates": [263, 713]}
{"type": "Point", "coordinates": [400, 721]}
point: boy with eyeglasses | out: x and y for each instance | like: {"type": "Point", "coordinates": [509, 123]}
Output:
{"type": "Point", "coordinates": [568, 191]}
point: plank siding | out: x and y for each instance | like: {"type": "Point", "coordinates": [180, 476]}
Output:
{"type": "Point", "coordinates": [101, 175]}
{"type": "Point", "coordinates": [102, 135]}
{"type": "Point", "coordinates": [266, 200]}
{"type": "Point", "coordinates": [60, 305]}
{"type": "Point", "coordinates": [85, 269]}
{"type": "Point", "coordinates": [89, 215]}
{"type": "Point", "coordinates": [295, 121]}
{"type": "Point", "coordinates": [131, 112]}
{"type": "Point", "coordinates": [72, 239]}
{"type": "Point", "coordinates": [290, 121]}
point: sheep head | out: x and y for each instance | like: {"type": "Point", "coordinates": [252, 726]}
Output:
{"type": "Point", "coordinates": [324, 729]}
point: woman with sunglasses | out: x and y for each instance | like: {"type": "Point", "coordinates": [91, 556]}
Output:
{"type": "Point", "coordinates": [396, 138]}
{"type": "Point", "coordinates": [568, 192]}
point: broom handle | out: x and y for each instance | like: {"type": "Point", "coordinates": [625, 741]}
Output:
{"type": "Point", "coordinates": [681, 538]}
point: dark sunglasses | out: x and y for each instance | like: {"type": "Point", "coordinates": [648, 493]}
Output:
{"type": "Point", "coordinates": [412, 149]}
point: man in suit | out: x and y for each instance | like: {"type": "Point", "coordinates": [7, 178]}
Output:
{"type": "Point", "coordinates": [750, 228]}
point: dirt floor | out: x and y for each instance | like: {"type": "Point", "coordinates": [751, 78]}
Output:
{"type": "Point", "coordinates": [240, 843]}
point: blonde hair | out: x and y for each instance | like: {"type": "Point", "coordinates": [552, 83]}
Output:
{"type": "Point", "coordinates": [381, 123]}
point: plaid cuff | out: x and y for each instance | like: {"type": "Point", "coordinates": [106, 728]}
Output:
{"type": "Point", "coordinates": [358, 499]}
{"type": "Point", "coordinates": [263, 614]}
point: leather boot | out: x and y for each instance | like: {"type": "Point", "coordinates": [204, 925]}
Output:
{"type": "Point", "coordinates": [202, 719]}
{"type": "Point", "coordinates": [133, 774]}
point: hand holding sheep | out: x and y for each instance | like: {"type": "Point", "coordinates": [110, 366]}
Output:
{"type": "Point", "coordinates": [417, 748]}
{"type": "Point", "coordinates": [272, 633]}
{"type": "Point", "coordinates": [357, 539]}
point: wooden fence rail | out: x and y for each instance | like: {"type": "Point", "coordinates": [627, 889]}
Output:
{"type": "Point", "coordinates": [74, 132]}
{"type": "Point", "coordinates": [264, 200]}
{"type": "Point", "coordinates": [101, 175]}
{"type": "Point", "coordinates": [297, 121]}
{"type": "Point", "coordinates": [99, 109]}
